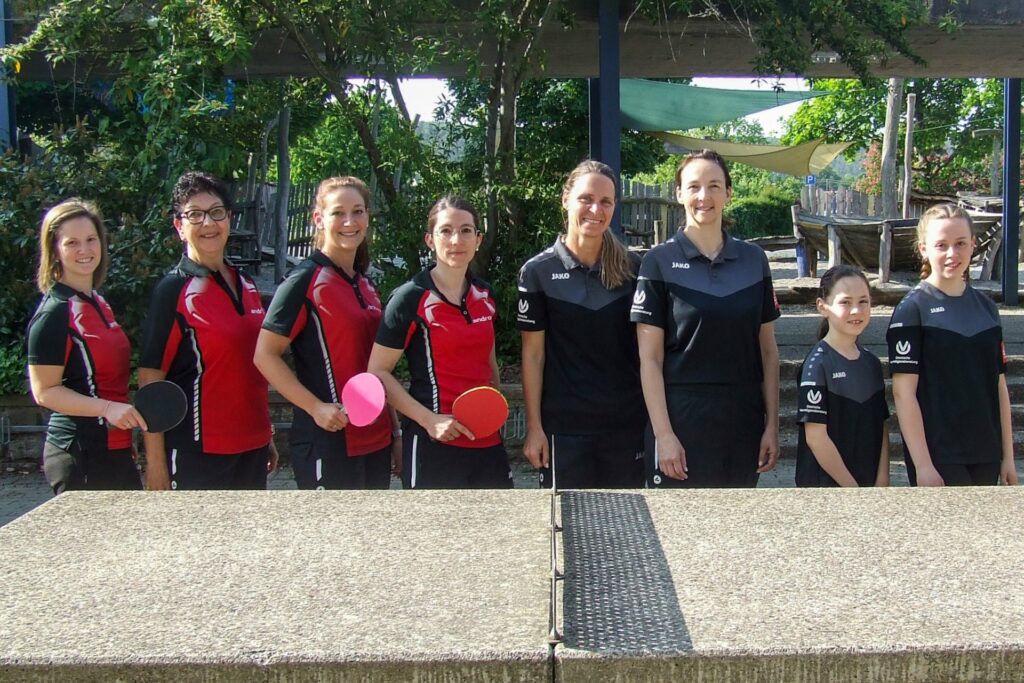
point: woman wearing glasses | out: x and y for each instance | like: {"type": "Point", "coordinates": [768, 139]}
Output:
{"type": "Point", "coordinates": [200, 333]}
{"type": "Point", "coordinates": [443, 321]}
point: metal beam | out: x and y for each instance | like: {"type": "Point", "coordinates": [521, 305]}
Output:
{"type": "Point", "coordinates": [605, 122]}
{"type": "Point", "coordinates": [1011, 189]}
{"type": "Point", "coordinates": [8, 131]}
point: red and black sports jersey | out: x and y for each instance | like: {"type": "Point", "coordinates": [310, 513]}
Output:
{"type": "Point", "coordinates": [711, 310]}
{"type": "Point", "coordinates": [848, 396]}
{"type": "Point", "coordinates": [78, 331]}
{"type": "Point", "coordinates": [448, 345]}
{"type": "Point", "coordinates": [954, 344]}
{"type": "Point", "coordinates": [332, 320]}
{"type": "Point", "coordinates": [591, 365]}
{"type": "Point", "coordinates": [204, 338]}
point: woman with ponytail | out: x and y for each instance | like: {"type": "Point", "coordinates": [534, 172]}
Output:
{"type": "Point", "coordinates": [581, 375]}
{"type": "Point", "coordinates": [841, 404]}
{"type": "Point", "coordinates": [948, 365]}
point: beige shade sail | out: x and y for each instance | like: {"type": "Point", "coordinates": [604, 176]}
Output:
{"type": "Point", "coordinates": [808, 158]}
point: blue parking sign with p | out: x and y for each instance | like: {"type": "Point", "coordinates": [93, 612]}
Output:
{"type": "Point", "coordinates": [811, 180]}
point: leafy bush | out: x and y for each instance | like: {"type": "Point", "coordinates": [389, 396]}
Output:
{"type": "Point", "coordinates": [765, 214]}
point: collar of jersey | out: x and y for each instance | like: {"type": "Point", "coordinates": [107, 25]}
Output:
{"type": "Point", "coordinates": [567, 258]}
{"type": "Point", "coordinates": [424, 280]}
{"type": "Point", "coordinates": [729, 249]}
{"type": "Point", "coordinates": [190, 267]}
{"type": "Point", "coordinates": [62, 292]}
{"type": "Point", "coordinates": [320, 258]}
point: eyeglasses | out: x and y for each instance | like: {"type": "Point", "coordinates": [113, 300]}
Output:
{"type": "Point", "coordinates": [463, 233]}
{"type": "Point", "coordinates": [198, 216]}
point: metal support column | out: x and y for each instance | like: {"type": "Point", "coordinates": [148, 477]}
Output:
{"type": "Point", "coordinates": [1011, 189]}
{"type": "Point", "coordinates": [605, 122]}
{"type": "Point", "coordinates": [8, 131]}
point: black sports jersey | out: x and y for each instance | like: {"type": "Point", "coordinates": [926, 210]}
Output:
{"type": "Point", "coordinates": [332, 320]}
{"type": "Point", "coordinates": [448, 344]}
{"type": "Point", "coordinates": [591, 364]}
{"type": "Point", "coordinates": [711, 310]}
{"type": "Point", "coordinates": [204, 337]}
{"type": "Point", "coordinates": [78, 331]}
{"type": "Point", "coordinates": [954, 344]}
{"type": "Point", "coordinates": [849, 397]}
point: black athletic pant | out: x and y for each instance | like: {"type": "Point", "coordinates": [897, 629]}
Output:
{"type": "Point", "coordinates": [720, 427]}
{"type": "Point", "coordinates": [429, 464]}
{"type": "Point", "coordinates": [319, 467]}
{"type": "Point", "coordinates": [85, 469]}
{"type": "Point", "coordinates": [595, 461]}
{"type": "Point", "coordinates": [192, 471]}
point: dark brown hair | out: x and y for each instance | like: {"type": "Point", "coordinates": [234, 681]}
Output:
{"type": "Point", "coordinates": [829, 279]}
{"type": "Point", "coordinates": [616, 267]}
{"type": "Point", "coordinates": [192, 183]}
{"type": "Point", "coordinates": [329, 185]}
{"type": "Point", "coordinates": [50, 269]}
{"type": "Point", "coordinates": [706, 155]}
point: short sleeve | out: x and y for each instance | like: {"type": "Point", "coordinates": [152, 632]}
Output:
{"type": "Point", "coordinates": [48, 334]}
{"type": "Point", "coordinates": [650, 300]}
{"type": "Point", "coordinates": [397, 325]}
{"type": "Point", "coordinates": [770, 302]}
{"type": "Point", "coordinates": [161, 335]}
{"type": "Point", "coordinates": [904, 338]}
{"type": "Point", "coordinates": [286, 314]}
{"type": "Point", "coordinates": [812, 394]}
{"type": "Point", "coordinates": [531, 307]}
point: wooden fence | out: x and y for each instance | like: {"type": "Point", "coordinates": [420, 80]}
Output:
{"type": "Point", "coordinates": [649, 212]}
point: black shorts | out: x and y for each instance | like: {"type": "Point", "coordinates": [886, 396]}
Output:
{"type": "Point", "coordinates": [82, 468]}
{"type": "Point", "coordinates": [595, 461]}
{"type": "Point", "coordinates": [320, 461]}
{"type": "Point", "coordinates": [720, 427]}
{"type": "Point", "coordinates": [429, 464]}
{"type": "Point", "coordinates": [194, 471]}
{"type": "Point", "coordinates": [977, 474]}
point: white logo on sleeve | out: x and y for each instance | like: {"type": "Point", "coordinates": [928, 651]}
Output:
{"type": "Point", "coordinates": [639, 298]}
{"type": "Point", "coordinates": [903, 348]}
{"type": "Point", "coordinates": [524, 305]}
{"type": "Point", "coordinates": [814, 397]}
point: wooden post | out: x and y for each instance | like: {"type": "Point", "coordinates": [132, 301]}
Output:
{"type": "Point", "coordinates": [835, 247]}
{"type": "Point", "coordinates": [908, 156]}
{"type": "Point", "coordinates": [885, 252]}
{"type": "Point", "coordinates": [889, 144]}
{"type": "Point", "coordinates": [284, 169]}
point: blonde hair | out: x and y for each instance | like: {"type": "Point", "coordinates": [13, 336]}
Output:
{"type": "Point", "coordinates": [945, 211]}
{"type": "Point", "coordinates": [616, 267]}
{"type": "Point", "coordinates": [329, 185]}
{"type": "Point", "coordinates": [50, 269]}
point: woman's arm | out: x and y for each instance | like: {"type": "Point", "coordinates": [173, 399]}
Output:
{"type": "Point", "coordinates": [882, 479]}
{"type": "Point", "coordinates": [440, 427]}
{"type": "Point", "coordinates": [270, 348]}
{"type": "Point", "coordinates": [1008, 468]}
{"type": "Point", "coordinates": [670, 455]}
{"type": "Point", "coordinates": [826, 453]}
{"type": "Point", "coordinates": [157, 477]}
{"type": "Point", "coordinates": [535, 446]}
{"type": "Point", "coordinates": [908, 411]}
{"type": "Point", "coordinates": [769, 450]}
{"type": "Point", "coordinates": [48, 390]}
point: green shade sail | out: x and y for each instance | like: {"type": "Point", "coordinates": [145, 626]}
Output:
{"type": "Point", "coordinates": [655, 106]}
{"type": "Point", "coordinates": [809, 158]}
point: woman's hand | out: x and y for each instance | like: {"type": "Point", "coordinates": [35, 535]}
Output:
{"type": "Point", "coordinates": [123, 416]}
{"type": "Point", "coordinates": [396, 455]}
{"type": "Point", "coordinates": [157, 477]}
{"type": "Point", "coordinates": [535, 448]}
{"type": "Point", "coordinates": [671, 456]}
{"type": "Point", "coordinates": [330, 417]}
{"type": "Point", "coordinates": [768, 453]}
{"type": "Point", "coordinates": [446, 428]}
{"type": "Point", "coordinates": [1008, 473]}
{"type": "Point", "coordinates": [929, 476]}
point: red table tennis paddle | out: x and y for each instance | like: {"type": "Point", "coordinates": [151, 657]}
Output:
{"type": "Point", "coordinates": [482, 410]}
{"type": "Point", "coordinates": [162, 405]}
{"type": "Point", "coordinates": [364, 398]}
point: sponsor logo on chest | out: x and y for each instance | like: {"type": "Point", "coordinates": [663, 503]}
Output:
{"type": "Point", "coordinates": [684, 264]}
{"type": "Point", "coordinates": [939, 309]}
{"type": "Point", "coordinates": [559, 276]}
{"type": "Point", "coordinates": [838, 375]}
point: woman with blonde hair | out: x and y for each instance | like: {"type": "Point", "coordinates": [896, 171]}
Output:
{"type": "Point", "coordinates": [328, 311]}
{"type": "Point", "coordinates": [581, 375]}
{"type": "Point", "coordinates": [78, 358]}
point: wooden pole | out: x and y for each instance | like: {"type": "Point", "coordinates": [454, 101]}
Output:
{"type": "Point", "coordinates": [284, 170]}
{"type": "Point", "coordinates": [889, 145]}
{"type": "Point", "coordinates": [908, 155]}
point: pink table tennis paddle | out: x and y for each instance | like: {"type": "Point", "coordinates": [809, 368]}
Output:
{"type": "Point", "coordinates": [363, 397]}
{"type": "Point", "coordinates": [482, 410]}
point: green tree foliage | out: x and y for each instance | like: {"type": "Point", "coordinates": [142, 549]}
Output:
{"type": "Point", "coordinates": [946, 156]}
